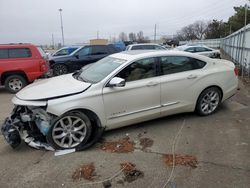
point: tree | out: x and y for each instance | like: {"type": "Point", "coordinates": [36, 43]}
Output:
{"type": "Point", "coordinates": [132, 36]}
{"type": "Point", "coordinates": [215, 29]}
{"type": "Point", "coordinates": [140, 37]}
{"type": "Point", "coordinates": [123, 36]}
{"type": "Point", "coordinates": [237, 21]}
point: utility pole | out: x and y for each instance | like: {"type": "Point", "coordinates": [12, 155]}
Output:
{"type": "Point", "coordinates": [53, 42]}
{"type": "Point", "coordinates": [60, 10]}
{"type": "Point", "coordinates": [97, 34]}
{"type": "Point", "coordinates": [155, 34]}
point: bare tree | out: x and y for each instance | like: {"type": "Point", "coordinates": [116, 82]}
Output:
{"type": "Point", "coordinates": [140, 37]}
{"type": "Point", "coordinates": [195, 31]}
{"type": "Point", "coordinates": [123, 36]}
{"type": "Point", "coordinates": [132, 36]}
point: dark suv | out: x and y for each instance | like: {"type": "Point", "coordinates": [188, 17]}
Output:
{"type": "Point", "coordinates": [21, 64]}
{"type": "Point", "coordinates": [81, 57]}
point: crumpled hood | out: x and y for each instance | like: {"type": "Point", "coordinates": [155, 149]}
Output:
{"type": "Point", "coordinates": [52, 87]}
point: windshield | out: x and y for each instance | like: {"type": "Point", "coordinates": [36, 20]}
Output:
{"type": "Point", "coordinates": [99, 70]}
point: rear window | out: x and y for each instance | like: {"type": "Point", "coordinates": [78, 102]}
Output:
{"type": "Point", "coordinates": [3, 53]}
{"type": "Point", "coordinates": [42, 52]}
{"type": "Point", "coordinates": [19, 53]}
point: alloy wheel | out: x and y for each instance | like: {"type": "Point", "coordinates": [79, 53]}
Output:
{"type": "Point", "coordinates": [210, 102]}
{"type": "Point", "coordinates": [69, 132]}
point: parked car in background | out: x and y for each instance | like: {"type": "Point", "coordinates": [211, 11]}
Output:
{"type": "Point", "coordinates": [119, 90]}
{"type": "Point", "coordinates": [200, 49]}
{"type": "Point", "coordinates": [145, 46]}
{"type": "Point", "coordinates": [80, 57]}
{"type": "Point", "coordinates": [21, 64]}
{"type": "Point", "coordinates": [64, 51]}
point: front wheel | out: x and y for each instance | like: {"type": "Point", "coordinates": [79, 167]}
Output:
{"type": "Point", "coordinates": [208, 101]}
{"type": "Point", "coordinates": [60, 69]}
{"type": "Point", "coordinates": [72, 130]}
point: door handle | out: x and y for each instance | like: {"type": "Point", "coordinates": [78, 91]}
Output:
{"type": "Point", "coordinates": [152, 84]}
{"type": "Point", "coordinates": [192, 76]}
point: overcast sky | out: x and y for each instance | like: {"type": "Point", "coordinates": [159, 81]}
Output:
{"type": "Point", "coordinates": [36, 20]}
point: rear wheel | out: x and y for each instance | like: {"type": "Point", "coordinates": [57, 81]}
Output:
{"type": "Point", "coordinates": [72, 130]}
{"type": "Point", "coordinates": [208, 101]}
{"type": "Point", "coordinates": [15, 83]}
{"type": "Point", "coordinates": [59, 69]}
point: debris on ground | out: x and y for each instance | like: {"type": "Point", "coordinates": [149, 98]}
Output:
{"type": "Point", "coordinates": [107, 184]}
{"type": "Point", "coordinates": [146, 142]}
{"type": "Point", "coordinates": [186, 160]}
{"type": "Point", "coordinates": [123, 145]}
{"type": "Point", "coordinates": [86, 171]}
{"type": "Point", "coordinates": [130, 172]}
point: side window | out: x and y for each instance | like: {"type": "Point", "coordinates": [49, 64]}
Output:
{"type": "Point", "coordinates": [62, 52]}
{"type": "Point", "coordinates": [175, 64]}
{"type": "Point", "coordinates": [149, 47]}
{"type": "Point", "coordinates": [202, 49]}
{"type": "Point", "coordinates": [159, 48]}
{"type": "Point", "coordinates": [100, 50]}
{"type": "Point", "coordinates": [192, 50]}
{"type": "Point", "coordinates": [85, 51]}
{"type": "Point", "coordinates": [139, 47]}
{"type": "Point", "coordinates": [3, 53]}
{"type": "Point", "coordinates": [19, 53]}
{"type": "Point", "coordinates": [141, 69]}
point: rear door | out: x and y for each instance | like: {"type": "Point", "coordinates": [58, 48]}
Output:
{"type": "Point", "coordinates": [180, 76]}
{"type": "Point", "coordinates": [99, 52]}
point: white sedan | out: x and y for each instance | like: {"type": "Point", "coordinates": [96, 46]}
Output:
{"type": "Point", "coordinates": [200, 49]}
{"type": "Point", "coordinates": [73, 110]}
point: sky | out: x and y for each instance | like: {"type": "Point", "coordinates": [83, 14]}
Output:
{"type": "Point", "coordinates": [35, 21]}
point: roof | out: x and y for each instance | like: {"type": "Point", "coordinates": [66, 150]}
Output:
{"type": "Point", "coordinates": [137, 54]}
{"type": "Point", "coordinates": [14, 45]}
{"type": "Point", "coordinates": [143, 44]}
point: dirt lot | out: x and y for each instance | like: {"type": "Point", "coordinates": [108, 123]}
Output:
{"type": "Point", "coordinates": [210, 151]}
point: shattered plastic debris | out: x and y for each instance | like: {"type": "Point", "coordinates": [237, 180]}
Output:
{"type": "Point", "coordinates": [64, 152]}
{"type": "Point", "coordinates": [130, 172]}
{"type": "Point", "coordinates": [186, 160]}
{"type": "Point", "coordinates": [84, 171]}
{"type": "Point", "coordinates": [123, 145]}
{"type": "Point", "coordinates": [146, 142]}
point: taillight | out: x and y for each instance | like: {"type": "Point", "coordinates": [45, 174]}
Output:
{"type": "Point", "coordinates": [43, 66]}
{"type": "Point", "coordinates": [236, 71]}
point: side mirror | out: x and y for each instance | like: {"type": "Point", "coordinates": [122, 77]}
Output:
{"type": "Point", "coordinates": [116, 82]}
{"type": "Point", "coordinates": [77, 56]}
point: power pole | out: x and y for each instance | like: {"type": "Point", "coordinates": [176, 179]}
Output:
{"type": "Point", "coordinates": [155, 34]}
{"type": "Point", "coordinates": [97, 34]}
{"type": "Point", "coordinates": [53, 42]}
{"type": "Point", "coordinates": [60, 10]}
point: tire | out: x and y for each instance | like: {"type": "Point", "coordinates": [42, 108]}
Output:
{"type": "Point", "coordinates": [15, 83]}
{"type": "Point", "coordinates": [60, 69]}
{"type": "Point", "coordinates": [72, 130]}
{"type": "Point", "coordinates": [208, 101]}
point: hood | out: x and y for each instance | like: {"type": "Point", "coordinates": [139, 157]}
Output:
{"type": "Point", "coordinates": [53, 87]}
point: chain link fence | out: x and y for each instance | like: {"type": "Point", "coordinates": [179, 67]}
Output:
{"type": "Point", "coordinates": [237, 46]}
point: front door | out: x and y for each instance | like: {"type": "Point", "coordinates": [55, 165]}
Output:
{"type": "Point", "coordinates": [138, 100]}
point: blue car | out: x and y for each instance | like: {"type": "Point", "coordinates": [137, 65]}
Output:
{"type": "Point", "coordinates": [64, 51]}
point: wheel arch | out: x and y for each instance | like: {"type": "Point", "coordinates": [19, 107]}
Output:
{"type": "Point", "coordinates": [6, 74]}
{"type": "Point", "coordinates": [97, 128]}
{"type": "Point", "coordinates": [216, 86]}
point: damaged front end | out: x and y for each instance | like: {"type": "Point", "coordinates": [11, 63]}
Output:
{"type": "Point", "coordinates": [30, 124]}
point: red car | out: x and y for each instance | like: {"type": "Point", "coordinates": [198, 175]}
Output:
{"type": "Point", "coordinates": [21, 64]}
